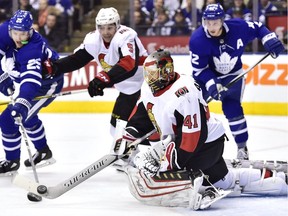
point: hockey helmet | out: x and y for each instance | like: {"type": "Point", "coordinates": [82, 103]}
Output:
{"type": "Point", "coordinates": [158, 70]}
{"type": "Point", "coordinates": [108, 16]}
{"type": "Point", "coordinates": [213, 12]}
{"type": "Point", "coordinates": [21, 21]}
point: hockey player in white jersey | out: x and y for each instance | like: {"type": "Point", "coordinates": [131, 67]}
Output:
{"type": "Point", "coordinates": [119, 52]}
{"type": "Point", "coordinates": [216, 48]}
{"type": "Point", "coordinates": [191, 146]}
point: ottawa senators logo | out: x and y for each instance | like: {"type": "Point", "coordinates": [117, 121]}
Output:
{"type": "Point", "coordinates": [152, 117]}
{"type": "Point", "coordinates": [105, 66]}
{"type": "Point", "coordinates": [182, 91]}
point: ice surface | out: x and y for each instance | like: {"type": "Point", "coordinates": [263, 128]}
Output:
{"type": "Point", "coordinates": [78, 140]}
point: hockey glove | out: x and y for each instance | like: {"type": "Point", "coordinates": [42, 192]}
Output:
{"type": "Point", "coordinates": [48, 69]}
{"type": "Point", "coordinates": [149, 162]}
{"type": "Point", "coordinates": [272, 45]}
{"type": "Point", "coordinates": [216, 90]}
{"type": "Point", "coordinates": [169, 161]}
{"type": "Point", "coordinates": [6, 85]}
{"type": "Point", "coordinates": [20, 109]}
{"type": "Point", "coordinates": [97, 85]}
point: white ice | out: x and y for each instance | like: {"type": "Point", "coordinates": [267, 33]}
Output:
{"type": "Point", "coordinates": [78, 140]}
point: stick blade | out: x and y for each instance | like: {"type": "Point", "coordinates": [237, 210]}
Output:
{"type": "Point", "coordinates": [25, 183]}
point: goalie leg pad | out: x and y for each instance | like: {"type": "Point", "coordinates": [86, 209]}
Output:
{"type": "Point", "coordinates": [253, 181]}
{"type": "Point", "coordinates": [169, 189]}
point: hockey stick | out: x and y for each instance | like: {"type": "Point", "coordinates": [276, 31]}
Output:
{"type": "Point", "coordinates": [51, 96]}
{"type": "Point", "coordinates": [31, 196]}
{"type": "Point", "coordinates": [63, 187]}
{"type": "Point", "coordinates": [237, 78]}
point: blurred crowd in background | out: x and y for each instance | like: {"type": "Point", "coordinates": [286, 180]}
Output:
{"type": "Point", "coordinates": [57, 20]}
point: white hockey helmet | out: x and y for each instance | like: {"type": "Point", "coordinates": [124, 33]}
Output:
{"type": "Point", "coordinates": [108, 16]}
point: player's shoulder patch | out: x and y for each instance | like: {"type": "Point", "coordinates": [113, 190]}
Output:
{"type": "Point", "coordinates": [181, 91]}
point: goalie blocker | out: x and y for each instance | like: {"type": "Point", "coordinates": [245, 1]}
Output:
{"type": "Point", "coordinates": [184, 189]}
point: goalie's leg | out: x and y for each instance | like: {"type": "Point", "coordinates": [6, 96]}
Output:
{"type": "Point", "coordinates": [255, 181]}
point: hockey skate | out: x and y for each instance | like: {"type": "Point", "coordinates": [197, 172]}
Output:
{"type": "Point", "coordinates": [211, 195]}
{"type": "Point", "coordinates": [8, 168]}
{"type": "Point", "coordinates": [41, 158]}
{"type": "Point", "coordinates": [242, 154]}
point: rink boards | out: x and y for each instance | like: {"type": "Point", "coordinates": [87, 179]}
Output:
{"type": "Point", "coordinates": [266, 91]}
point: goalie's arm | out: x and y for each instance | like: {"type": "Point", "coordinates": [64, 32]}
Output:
{"type": "Point", "coordinates": [140, 120]}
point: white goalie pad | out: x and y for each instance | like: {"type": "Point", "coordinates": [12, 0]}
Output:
{"type": "Point", "coordinates": [258, 164]}
{"type": "Point", "coordinates": [274, 186]}
{"type": "Point", "coordinates": [253, 181]}
{"type": "Point", "coordinates": [169, 189]}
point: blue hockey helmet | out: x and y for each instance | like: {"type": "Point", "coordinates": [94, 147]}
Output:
{"type": "Point", "coordinates": [213, 12]}
{"type": "Point", "coordinates": [21, 21]}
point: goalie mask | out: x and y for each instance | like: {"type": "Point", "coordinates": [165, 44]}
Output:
{"type": "Point", "coordinates": [108, 16]}
{"type": "Point", "coordinates": [158, 70]}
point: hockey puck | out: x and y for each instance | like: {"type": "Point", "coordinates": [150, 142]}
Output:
{"type": "Point", "coordinates": [42, 189]}
{"type": "Point", "coordinates": [34, 197]}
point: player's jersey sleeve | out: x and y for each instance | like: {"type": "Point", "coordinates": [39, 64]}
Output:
{"type": "Point", "coordinates": [5, 42]}
{"type": "Point", "coordinates": [255, 30]}
{"type": "Point", "coordinates": [200, 53]}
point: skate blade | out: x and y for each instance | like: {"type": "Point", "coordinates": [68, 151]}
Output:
{"type": "Point", "coordinates": [9, 174]}
{"type": "Point", "coordinates": [43, 163]}
{"type": "Point", "coordinates": [222, 195]}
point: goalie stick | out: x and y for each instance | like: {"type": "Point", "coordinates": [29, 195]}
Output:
{"type": "Point", "coordinates": [63, 187]}
{"type": "Point", "coordinates": [237, 78]}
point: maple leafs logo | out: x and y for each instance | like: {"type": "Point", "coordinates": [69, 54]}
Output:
{"type": "Point", "coordinates": [225, 63]}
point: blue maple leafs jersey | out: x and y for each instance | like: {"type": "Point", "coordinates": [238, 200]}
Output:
{"type": "Point", "coordinates": [6, 41]}
{"type": "Point", "coordinates": [25, 65]}
{"type": "Point", "coordinates": [213, 57]}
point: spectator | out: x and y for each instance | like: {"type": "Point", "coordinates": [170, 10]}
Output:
{"type": "Point", "coordinates": [187, 11]}
{"type": "Point", "coordinates": [239, 10]}
{"type": "Point", "coordinates": [158, 7]}
{"type": "Point", "coordinates": [140, 24]}
{"type": "Point", "coordinates": [145, 15]}
{"type": "Point", "coordinates": [25, 5]}
{"type": "Point", "coordinates": [182, 25]}
{"type": "Point", "coordinates": [34, 4]}
{"type": "Point", "coordinates": [65, 6]}
{"type": "Point", "coordinates": [52, 33]}
{"type": "Point", "coordinates": [43, 12]}
{"type": "Point", "coordinates": [161, 26]}
{"type": "Point", "coordinates": [266, 8]}
{"type": "Point", "coordinates": [6, 8]}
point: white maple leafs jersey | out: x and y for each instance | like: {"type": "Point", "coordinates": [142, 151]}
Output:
{"type": "Point", "coordinates": [123, 41]}
{"type": "Point", "coordinates": [221, 56]}
{"type": "Point", "coordinates": [181, 104]}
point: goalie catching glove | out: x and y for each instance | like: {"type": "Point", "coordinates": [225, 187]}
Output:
{"type": "Point", "coordinates": [159, 158]}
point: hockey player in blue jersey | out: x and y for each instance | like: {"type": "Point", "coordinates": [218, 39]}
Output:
{"type": "Point", "coordinates": [216, 48]}
{"type": "Point", "coordinates": [25, 59]}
